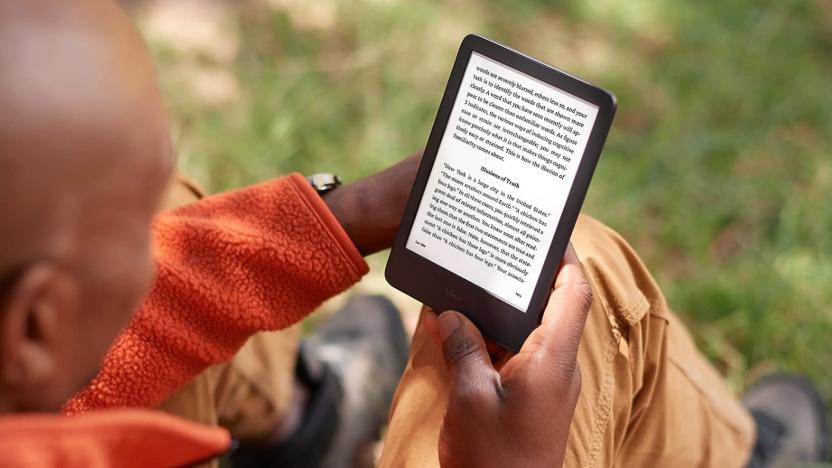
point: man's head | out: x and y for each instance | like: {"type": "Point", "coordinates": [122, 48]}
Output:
{"type": "Point", "coordinates": [84, 157]}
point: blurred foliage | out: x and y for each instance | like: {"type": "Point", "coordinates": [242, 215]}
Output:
{"type": "Point", "coordinates": [717, 169]}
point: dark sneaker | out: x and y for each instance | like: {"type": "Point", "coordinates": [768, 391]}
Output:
{"type": "Point", "coordinates": [351, 365]}
{"type": "Point", "coordinates": [365, 344]}
{"type": "Point", "coordinates": [791, 422]}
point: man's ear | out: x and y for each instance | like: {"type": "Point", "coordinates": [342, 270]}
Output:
{"type": "Point", "coordinates": [30, 329]}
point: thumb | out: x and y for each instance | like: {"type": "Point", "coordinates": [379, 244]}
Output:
{"type": "Point", "coordinates": [465, 353]}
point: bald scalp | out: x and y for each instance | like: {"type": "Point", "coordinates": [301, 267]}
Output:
{"type": "Point", "coordinates": [83, 130]}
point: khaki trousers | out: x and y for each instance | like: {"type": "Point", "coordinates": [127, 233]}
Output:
{"type": "Point", "coordinates": [648, 398]}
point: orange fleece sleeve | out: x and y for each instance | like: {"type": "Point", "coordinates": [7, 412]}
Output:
{"type": "Point", "coordinates": [258, 258]}
{"type": "Point", "coordinates": [123, 438]}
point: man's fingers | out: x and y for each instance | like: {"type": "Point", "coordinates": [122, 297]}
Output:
{"type": "Point", "coordinates": [465, 355]}
{"type": "Point", "coordinates": [462, 344]}
{"type": "Point", "coordinates": [569, 262]}
{"type": "Point", "coordinates": [571, 285]}
{"type": "Point", "coordinates": [566, 313]}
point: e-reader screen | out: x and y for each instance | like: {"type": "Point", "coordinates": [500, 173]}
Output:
{"type": "Point", "coordinates": [501, 178]}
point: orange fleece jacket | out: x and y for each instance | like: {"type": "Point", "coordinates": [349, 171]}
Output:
{"type": "Point", "coordinates": [230, 265]}
{"type": "Point", "coordinates": [124, 438]}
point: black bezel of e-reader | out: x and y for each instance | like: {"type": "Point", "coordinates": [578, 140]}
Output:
{"type": "Point", "coordinates": [440, 288]}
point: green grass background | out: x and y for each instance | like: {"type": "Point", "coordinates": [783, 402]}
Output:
{"type": "Point", "coordinates": [717, 168]}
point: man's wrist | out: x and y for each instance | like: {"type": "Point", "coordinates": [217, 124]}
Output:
{"type": "Point", "coordinates": [370, 209]}
{"type": "Point", "coordinates": [349, 205]}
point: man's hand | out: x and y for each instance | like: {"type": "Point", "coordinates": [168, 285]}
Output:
{"type": "Point", "coordinates": [370, 209]}
{"type": "Point", "coordinates": [520, 414]}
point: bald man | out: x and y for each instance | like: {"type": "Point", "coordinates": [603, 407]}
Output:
{"type": "Point", "coordinates": [84, 158]}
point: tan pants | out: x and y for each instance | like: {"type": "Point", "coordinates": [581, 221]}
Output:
{"type": "Point", "coordinates": [648, 398]}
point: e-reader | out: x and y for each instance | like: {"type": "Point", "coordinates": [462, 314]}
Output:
{"type": "Point", "coordinates": [502, 179]}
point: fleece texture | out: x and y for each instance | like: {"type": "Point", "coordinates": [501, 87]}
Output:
{"type": "Point", "coordinates": [230, 265]}
{"type": "Point", "coordinates": [113, 438]}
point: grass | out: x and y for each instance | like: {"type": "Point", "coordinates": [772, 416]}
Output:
{"type": "Point", "coordinates": [717, 169]}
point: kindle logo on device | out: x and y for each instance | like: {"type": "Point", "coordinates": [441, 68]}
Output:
{"type": "Point", "coordinates": [453, 295]}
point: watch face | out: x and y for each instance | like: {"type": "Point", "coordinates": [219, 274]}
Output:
{"type": "Point", "coordinates": [324, 182]}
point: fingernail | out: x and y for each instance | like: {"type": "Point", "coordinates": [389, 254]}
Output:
{"type": "Point", "coordinates": [448, 323]}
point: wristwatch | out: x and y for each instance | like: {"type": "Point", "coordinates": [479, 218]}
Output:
{"type": "Point", "coordinates": [324, 182]}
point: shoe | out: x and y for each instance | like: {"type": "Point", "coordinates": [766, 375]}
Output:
{"type": "Point", "coordinates": [790, 416]}
{"type": "Point", "coordinates": [350, 366]}
{"type": "Point", "coordinates": [366, 346]}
